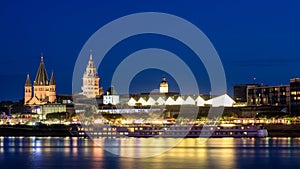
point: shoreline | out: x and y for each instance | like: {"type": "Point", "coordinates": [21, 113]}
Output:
{"type": "Point", "coordinates": [282, 130]}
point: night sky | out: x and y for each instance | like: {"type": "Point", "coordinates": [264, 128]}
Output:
{"type": "Point", "coordinates": [253, 38]}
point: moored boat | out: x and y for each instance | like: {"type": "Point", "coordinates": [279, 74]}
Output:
{"type": "Point", "coordinates": [178, 131]}
{"type": "Point", "coordinates": [165, 131]}
{"type": "Point", "coordinates": [193, 131]}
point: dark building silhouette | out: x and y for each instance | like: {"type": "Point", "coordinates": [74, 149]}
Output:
{"type": "Point", "coordinates": [260, 95]}
{"type": "Point", "coordinates": [268, 95]}
{"type": "Point", "coordinates": [240, 92]}
{"type": "Point", "coordinates": [295, 95]}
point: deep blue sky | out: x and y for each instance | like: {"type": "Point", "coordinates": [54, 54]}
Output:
{"type": "Point", "coordinates": [253, 38]}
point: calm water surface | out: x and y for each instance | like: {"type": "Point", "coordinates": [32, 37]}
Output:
{"type": "Point", "coordinates": [34, 152]}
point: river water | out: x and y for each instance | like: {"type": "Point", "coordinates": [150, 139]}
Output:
{"type": "Point", "coordinates": [55, 152]}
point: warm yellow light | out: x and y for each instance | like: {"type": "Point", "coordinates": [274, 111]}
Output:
{"type": "Point", "coordinates": [228, 125]}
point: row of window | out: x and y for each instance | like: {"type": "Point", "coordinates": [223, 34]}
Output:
{"type": "Point", "coordinates": [295, 98]}
{"type": "Point", "coordinates": [295, 93]}
{"type": "Point", "coordinates": [42, 89]}
{"type": "Point", "coordinates": [51, 90]}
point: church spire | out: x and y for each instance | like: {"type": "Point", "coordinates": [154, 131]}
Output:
{"type": "Point", "coordinates": [91, 70]}
{"type": "Point", "coordinates": [28, 82]}
{"type": "Point", "coordinates": [52, 81]}
{"type": "Point", "coordinates": [41, 75]}
{"type": "Point", "coordinates": [42, 57]}
{"type": "Point", "coordinates": [91, 55]}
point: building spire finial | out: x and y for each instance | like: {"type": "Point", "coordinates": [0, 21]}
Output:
{"type": "Point", "coordinates": [52, 81]}
{"type": "Point", "coordinates": [41, 76]}
{"type": "Point", "coordinates": [91, 54]}
{"type": "Point", "coordinates": [42, 57]}
{"type": "Point", "coordinates": [28, 82]}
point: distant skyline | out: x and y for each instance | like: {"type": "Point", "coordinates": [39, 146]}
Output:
{"type": "Point", "coordinates": [253, 38]}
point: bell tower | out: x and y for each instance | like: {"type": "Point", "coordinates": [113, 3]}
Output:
{"type": "Point", "coordinates": [163, 88]}
{"type": "Point", "coordinates": [90, 81]}
{"type": "Point", "coordinates": [52, 89]}
{"type": "Point", "coordinates": [27, 90]}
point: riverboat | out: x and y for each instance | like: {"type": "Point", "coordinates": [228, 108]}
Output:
{"type": "Point", "coordinates": [194, 131]}
{"type": "Point", "coordinates": [143, 131]}
{"type": "Point", "coordinates": [178, 131]}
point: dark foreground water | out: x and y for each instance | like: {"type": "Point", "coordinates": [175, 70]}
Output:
{"type": "Point", "coordinates": [33, 152]}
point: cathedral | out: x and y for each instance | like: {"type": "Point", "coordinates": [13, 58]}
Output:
{"type": "Point", "coordinates": [43, 90]}
{"type": "Point", "coordinates": [90, 81]}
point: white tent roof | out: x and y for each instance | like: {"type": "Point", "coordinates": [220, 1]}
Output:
{"type": "Point", "coordinates": [223, 100]}
{"type": "Point", "coordinates": [151, 101]}
{"type": "Point", "coordinates": [189, 101]}
{"type": "Point", "coordinates": [179, 101]}
{"type": "Point", "coordinates": [131, 102]}
{"type": "Point", "coordinates": [142, 101]}
{"type": "Point", "coordinates": [170, 101]}
{"type": "Point", "coordinates": [160, 101]}
{"type": "Point", "coordinates": [200, 101]}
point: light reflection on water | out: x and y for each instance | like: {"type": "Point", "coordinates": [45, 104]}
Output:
{"type": "Point", "coordinates": [34, 152]}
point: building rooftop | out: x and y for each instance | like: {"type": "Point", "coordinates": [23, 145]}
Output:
{"type": "Point", "coordinates": [41, 76]}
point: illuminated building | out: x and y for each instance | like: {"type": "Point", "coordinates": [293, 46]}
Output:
{"type": "Point", "coordinates": [295, 94]}
{"type": "Point", "coordinates": [90, 87]}
{"type": "Point", "coordinates": [52, 108]}
{"type": "Point", "coordinates": [43, 90]}
{"type": "Point", "coordinates": [163, 88]}
{"type": "Point", "coordinates": [287, 96]}
{"type": "Point", "coordinates": [111, 97]}
{"type": "Point", "coordinates": [268, 95]}
{"type": "Point", "coordinates": [240, 92]}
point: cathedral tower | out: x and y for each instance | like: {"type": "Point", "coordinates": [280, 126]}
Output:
{"type": "Point", "coordinates": [90, 81]}
{"type": "Point", "coordinates": [52, 89]}
{"type": "Point", "coordinates": [44, 91]}
{"type": "Point", "coordinates": [41, 82]}
{"type": "Point", "coordinates": [164, 88]}
{"type": "Point", "coordinates": [27, 89]}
